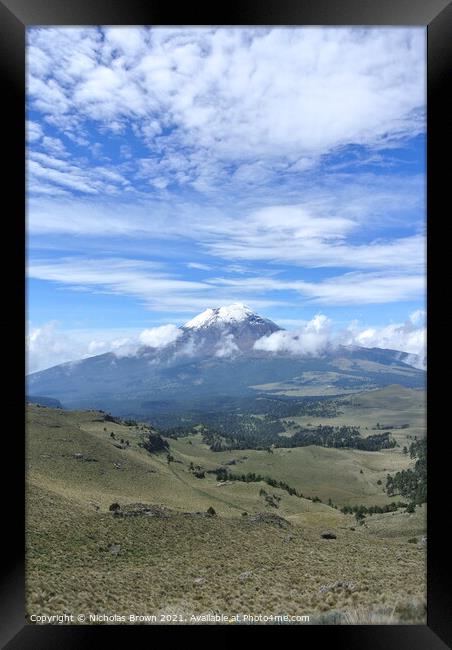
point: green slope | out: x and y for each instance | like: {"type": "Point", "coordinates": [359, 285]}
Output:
{"type": "Point", "coordinates": [81, 558]}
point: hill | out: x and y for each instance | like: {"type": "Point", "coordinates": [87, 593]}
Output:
{"type": "Point", "coordinates": [159, 552]}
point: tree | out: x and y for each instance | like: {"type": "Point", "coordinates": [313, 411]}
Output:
{"type": "Point", "coordinates": [155, 443]}
{"type": "Point", "coordinates": [412, 483]}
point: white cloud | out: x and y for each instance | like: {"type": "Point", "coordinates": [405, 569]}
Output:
{"type": "Point", "coordinates": [234, 94]}
{"type": "Point", "coordinates": [72, 179]}
{"type": "Point", "coordinates": [54, 146]}
{"type": "Point", "coordinates": [311, 339]}
{"type": "Point", "coordinates": [198, 266]}
{"type": "Point", "coordinates": [318, 335]}
{"type": "Point", "coordinates": [49, 345]}
{"type": "Point", "coordinates": [409, 336]}
{"type": "Point", "coordinates": [347, 289]}
{"type": "Point", "coordinates": [158, 337]}
{"type": "Point", "coordinates": [227, 347]}
{"type": "Point", "coordinates": [54, 167]}
{"type": "Point", "coordinates": [311, 236]}
{"type": "Point", "coordinates": [165, 291]}
{"type": "Point", "coordinates": [33, 130]}
{"type": "Point", "coordinates": [336, 226]}
{"type": "Point", "coordinates": [247, 117]}
{"type": "Point", "coordinates": [46, 348]}
{"type": "Point", "coordinates": [145, 280]}
{"type": "Point", "coordinates": [365, 288]}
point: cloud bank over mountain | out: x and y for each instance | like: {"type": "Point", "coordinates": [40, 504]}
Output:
{"type": "Point", "coordinates": [159, 337]}
{"type": "Point", "coordinates": [48, 346]}
{"type": "Point", "coordinates": [311, 339]}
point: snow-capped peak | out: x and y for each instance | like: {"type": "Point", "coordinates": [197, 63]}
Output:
{"type": "Point", "coordinates": [227, 315]}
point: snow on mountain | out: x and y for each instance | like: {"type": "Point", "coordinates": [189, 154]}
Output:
{"type": "Point", "coordinates": [225, 316]}
{"type": "Point", "coordinates": [227, 330]}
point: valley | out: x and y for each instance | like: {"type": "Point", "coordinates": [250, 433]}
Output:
{"type": "Point", "coordinates": [113, 528]}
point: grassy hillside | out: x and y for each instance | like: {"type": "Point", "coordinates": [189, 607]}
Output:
{"type": "Point", "coordinates": [173, 558]}
{"type": "Point", "coordinates": [393, 405]}
{"type": "Point", "coordinates": [347, 476]}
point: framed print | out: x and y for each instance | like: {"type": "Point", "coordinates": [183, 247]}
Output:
{"type": "Point", "coordinates": [226, 229]}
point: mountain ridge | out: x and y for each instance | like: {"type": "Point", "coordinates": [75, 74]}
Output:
{"type": "Point", "coordinates": [215, 354]}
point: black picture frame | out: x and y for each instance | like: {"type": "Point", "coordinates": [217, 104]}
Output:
{"type": "Point", "coordinates": [15, 16]}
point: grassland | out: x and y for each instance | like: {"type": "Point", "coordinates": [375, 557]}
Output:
{"type": "Point", "coordinates": [393, 405]}
{"type": "Point", "coordinates": [81, 558]}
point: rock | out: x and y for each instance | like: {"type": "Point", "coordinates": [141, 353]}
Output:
{"type": "Point", "coordinates": [328, 535]}
{"type": "Point", "coordinates": [114, 548]}
{"type": "Point", "coordinates": [269, 518]}
{"type": "Point", "coordinates": [142, 510]}
{"type": "Point", "coordinates": [271, 501]}
{"type": "Point", "coordinates": [245, 575]}
{"type": "Point", "coordinates": [199, 581]}
{"type": "Point", "coordinates": [338, 585]}
{"type": "Point", "coordinates": [78, 456]}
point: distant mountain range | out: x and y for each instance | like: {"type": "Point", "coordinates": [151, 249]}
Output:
{"type": "Point", "coordinates": [215, 356]}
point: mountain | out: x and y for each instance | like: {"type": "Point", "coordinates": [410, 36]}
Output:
{"type": "Point", "coordinates": [43, 401]}
{"type": "Point", "coordinates": [214, 358]}
{"type": "Point", "coordinates": [224, 330]}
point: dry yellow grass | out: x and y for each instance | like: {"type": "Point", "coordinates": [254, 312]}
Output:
{"type": "Point", "coordinates": [82, 559]}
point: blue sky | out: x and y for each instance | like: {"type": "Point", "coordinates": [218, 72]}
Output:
{"type": "Point", "coordinates": [175, 169]}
